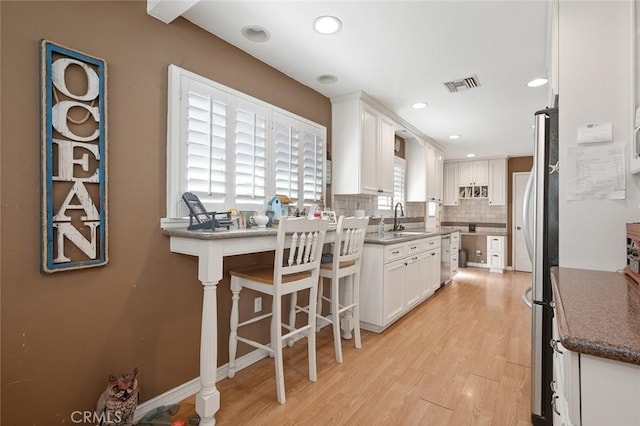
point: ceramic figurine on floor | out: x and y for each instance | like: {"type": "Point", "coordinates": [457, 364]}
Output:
{"type": "Point", "coordinates": [119, 401]}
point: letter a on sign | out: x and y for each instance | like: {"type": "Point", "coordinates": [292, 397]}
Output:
{"type": "Point", "coordinates": [73, 159]}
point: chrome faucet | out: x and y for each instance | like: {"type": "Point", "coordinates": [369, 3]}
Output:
{"type": "Point", "coordinates": [396, 225]}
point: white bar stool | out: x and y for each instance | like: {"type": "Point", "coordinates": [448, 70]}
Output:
{"type": "Point", "coordinates": [304, 239]}
{"type": "Point", "coordinates": [345, 264]}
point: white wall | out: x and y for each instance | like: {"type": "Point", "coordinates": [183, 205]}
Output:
{"type": "Point", "coordinates": [595, 86]}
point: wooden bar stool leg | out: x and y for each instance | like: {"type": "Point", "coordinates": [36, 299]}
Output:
{"type": "Point", "coordinates": [347, 318]}
{"type": "Point", "coordinates": [319, 307]}
{"type": "Point", "coordinates": [292, 316]}
{"type": "Point", "coordinates": [311, 335]}
{"type": "Point", "coordinates": [276, 344]}
{"type": "Point", "coordinates": [355, 281]}
{"type": "Point", "coordinates": [233, 335]}
{"type": "Point", "coordinates": [335, 316]}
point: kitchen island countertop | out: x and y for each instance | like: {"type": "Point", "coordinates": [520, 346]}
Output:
{"type": "Point", "coordinates": [598, 313]}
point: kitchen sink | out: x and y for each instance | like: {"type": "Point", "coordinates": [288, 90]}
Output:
{"type": "Point", "coordinates": [409, 233]}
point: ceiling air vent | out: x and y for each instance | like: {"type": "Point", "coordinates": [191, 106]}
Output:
{"type": "Point", "coordinates": [463, 84]}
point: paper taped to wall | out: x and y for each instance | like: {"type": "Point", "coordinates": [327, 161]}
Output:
{"type": "Point", "coordinates": [596, 172]}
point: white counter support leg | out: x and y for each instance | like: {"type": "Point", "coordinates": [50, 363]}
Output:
{"type": "Point", "coordinates": [208, 399]}
{"type": "Point", "coordinates": [209, 273]}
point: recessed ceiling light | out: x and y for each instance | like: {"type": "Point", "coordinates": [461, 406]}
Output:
{"type": "Point", "coordinates": [470, 155]}
{"type": "Point", "coordinates": [327, 24]}
{"type": "Point", "coordinates": [419, 105]}
{"type": "Point", "coordinates": [537, 82]}
{"type": "Point", "coordinates": [256, 33]}
{"type": "Point", "coordinates": [327, 79]}
{"type": "Point", "coordinates": [454, 136]}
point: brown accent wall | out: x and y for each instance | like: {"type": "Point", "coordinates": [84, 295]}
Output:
{"type": "Point", "coordinates": [514, 165]}
{"type": "Point", "coordinates": [63, 334]}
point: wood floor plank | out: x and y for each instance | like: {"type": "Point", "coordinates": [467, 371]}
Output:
{"type": "Point", "coordinates": [460, 358]}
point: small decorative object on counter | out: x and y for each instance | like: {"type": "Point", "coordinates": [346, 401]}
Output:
{"type": "Point", "coordinates": [381, 227]}
{"type": "Point", "coordinates": [118, 402]}
{"type": "Point", "coordinates": [200, 218]}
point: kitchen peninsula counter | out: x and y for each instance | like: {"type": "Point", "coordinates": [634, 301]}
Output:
{"type": "Point", "coordinates": [598, 313]}
{"type": "Point", "coordinates": [211, 247]}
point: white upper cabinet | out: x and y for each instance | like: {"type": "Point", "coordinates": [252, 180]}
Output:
{"type": "Point", "coordinates": [498, 182]}
{"type": "Point", "coordinates": [362, 148]}
{"type": "Point", "coordinates": [474, 173]}
{"type": "Point", "coordinates": [450, 184]}
{"type": "Point", "coordinates": [424, 171]}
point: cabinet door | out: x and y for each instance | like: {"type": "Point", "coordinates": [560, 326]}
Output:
{"type": "Point", "coordinates": [416, 171]}
{"type": "Point", "coordinates": [385, 155]}
{"type": "Point", "coordinates": [415, 280]}
{"type": "Point", "coordinates": [497, 182]}
{"type": "Point", "coordinates": [431, 171]}
{"type": "Point", "coordinates": [433, 270]}
{"type": "Point", "coordinates": [439, 174]}
{"type": "Point", "coordinates": [480, 173]}
{"type": "Point", "coordinates": [465, 176]}
{"type": "Point", "coordinates": [394, 278]}
{"type": "Point", "coordinates": [450, 184]}
{"type": "Point", "coordinates": [370, 129]}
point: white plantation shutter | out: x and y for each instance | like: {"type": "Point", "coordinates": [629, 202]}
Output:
{"type": "Point", "coordinates": [250, 155]}
{"type": "Point", "coordinates": [286, 157]}
{"type": "Point", "coordinates": [399, 170]}
{"type": "Point", "coordinates": [235, 151]}
{"type": "Point", "coordinates": [313, 152]}
{"type": "Point", "coordinates": [206, 145]}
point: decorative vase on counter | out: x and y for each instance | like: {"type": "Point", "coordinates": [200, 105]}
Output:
{"type": "Point", "coordinates": [260, 220]}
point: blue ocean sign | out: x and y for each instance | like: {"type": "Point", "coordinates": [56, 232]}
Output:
{"type": "Point", "coordinates": [73, 159]}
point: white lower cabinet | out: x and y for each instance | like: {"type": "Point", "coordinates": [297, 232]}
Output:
{"type": "Point", "coordinates": [455, 248]}
{"type": "Point", "coordinates": [495, 253]}
{"type": "Point", "coordinates": [593, 391]}
{"type": "Point", "coordinates": [395, 279]}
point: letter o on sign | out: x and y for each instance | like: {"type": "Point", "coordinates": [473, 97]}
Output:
{"type": "Point", "coordinates": [58, 69]}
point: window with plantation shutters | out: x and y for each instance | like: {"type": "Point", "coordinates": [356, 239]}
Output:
{"type": "Point", "coordinates": [399, 170]}
{"type": "Point", "coordinates": [206, 144]}
{"type": "Point", "coordinates": [286, 157]}
{"type": "Point", "coordinates": [399, 180]}
{"type": "Point", "coordinates": [235, 151]}
{"type": "Point", "coordinates": [250, 155]}
{"type": "Point", "coordinates": [312, 164]}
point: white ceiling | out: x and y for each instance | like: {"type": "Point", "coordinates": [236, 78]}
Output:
{"type": "Point", "coordinates": [401, 52]}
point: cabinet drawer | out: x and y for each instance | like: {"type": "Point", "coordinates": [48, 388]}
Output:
{"type": "Point", "coordinates": [455, 247]}
{"type": "Point", "coordinates": [414, 247]}
{"type": "Point", "coordinates": [432, 243]}
{"type": "Point", "coordinates": [495, 260]}
{"type": "Point", "coordinates": [394, 252]}
{"type": "Point", "coordinates": [495, 243]}
{"type": "Point", "coordinates": [455, 237]}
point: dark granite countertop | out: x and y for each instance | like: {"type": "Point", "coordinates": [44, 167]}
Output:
{"type": "Point", "coordinates": [598, 313]}
{"type": "Point", "coordinates": [407, 235]}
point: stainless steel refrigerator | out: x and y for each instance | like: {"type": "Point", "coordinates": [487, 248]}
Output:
{"type": "Point", "coordinates": [541, 234]}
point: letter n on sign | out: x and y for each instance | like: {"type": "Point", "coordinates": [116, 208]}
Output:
{"type": "Point", "coordinates": [73, 159]}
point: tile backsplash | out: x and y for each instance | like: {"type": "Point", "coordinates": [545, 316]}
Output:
{"type": "Point", "coordinates": [469, 210]}
{"type": "Point", "coordinates": [348, 204]}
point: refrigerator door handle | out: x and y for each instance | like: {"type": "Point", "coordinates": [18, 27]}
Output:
{"type": "Point", "coordinates": [528, 192]}
{"type": "Point", "coordinates": [526, 299]}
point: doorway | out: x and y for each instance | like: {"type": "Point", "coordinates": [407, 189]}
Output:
{"type": "Point", "coordinates": [520, 256]}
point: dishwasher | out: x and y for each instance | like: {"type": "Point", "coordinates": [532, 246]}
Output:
{"type": "Point", "coordinates": [445, 259]}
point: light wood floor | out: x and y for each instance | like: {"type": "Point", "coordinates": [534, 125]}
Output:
{"type": "Point", "coordinates": [460, 358]}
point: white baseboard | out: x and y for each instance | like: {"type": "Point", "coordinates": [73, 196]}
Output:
{"type": "Point", "coordinates": [185, 390]}
{"type": "Point", "coordinates": [478, 265]}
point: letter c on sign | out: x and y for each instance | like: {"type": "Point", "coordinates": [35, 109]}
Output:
{"type": "Point", "coordinates": [73, 417]}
